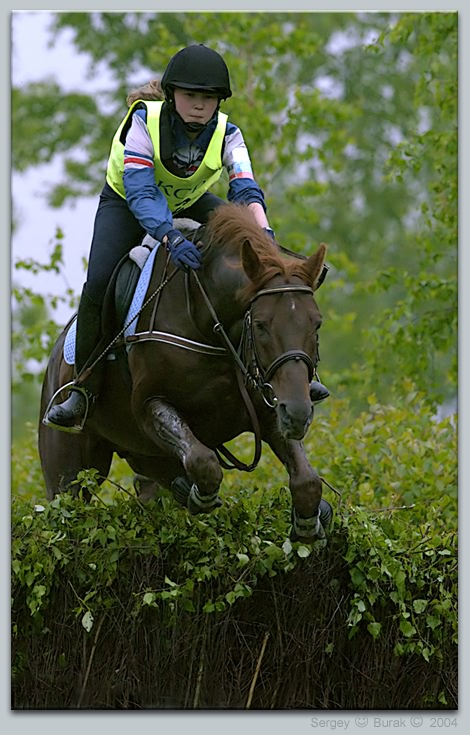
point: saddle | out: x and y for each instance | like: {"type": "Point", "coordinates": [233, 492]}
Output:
{"type": "Point", "coordinates": [127, 288]}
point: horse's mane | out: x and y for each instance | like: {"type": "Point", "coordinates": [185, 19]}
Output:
{"type": "Point", "coordinates": [231, 224]}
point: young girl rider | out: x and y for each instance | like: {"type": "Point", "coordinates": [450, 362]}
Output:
{"type": "Point", "coordinates": [164, 157]}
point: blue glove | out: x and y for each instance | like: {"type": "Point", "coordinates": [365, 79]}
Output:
{"type": "Point", "coordinates": [183, 253]}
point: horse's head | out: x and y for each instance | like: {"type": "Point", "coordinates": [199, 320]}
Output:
{"type": "Point", "coordinates": [275, 292]}
{"type": "Point", "coordinates": [282, 324]}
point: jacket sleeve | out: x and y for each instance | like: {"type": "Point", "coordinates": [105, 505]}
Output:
{"type": "Point", "coordinates": [243, 188]}
{"type": "Point", "coordinates": [145, 200]}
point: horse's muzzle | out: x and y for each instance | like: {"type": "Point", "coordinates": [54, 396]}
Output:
{"type": "Point", "coordinates": [294, 418]}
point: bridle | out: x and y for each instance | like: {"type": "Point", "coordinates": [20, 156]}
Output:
{"type": "Point", "coordinates": [258, 376]}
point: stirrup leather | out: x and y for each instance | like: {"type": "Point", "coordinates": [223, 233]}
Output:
{"type": "Point", "coordinates": [68, 429]}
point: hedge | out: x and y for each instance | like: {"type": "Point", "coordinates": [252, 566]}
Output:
{"type": "Point", "coordinates": [119, 604]}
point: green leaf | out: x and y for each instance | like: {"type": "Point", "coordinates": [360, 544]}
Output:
{"type": "Point", "coordinates": [433, 621]}
{"type": "Point", "coordinates": [419, 605]}
{"type": "Point", "coordinates": [357, 576]}
{"type": "Point", "coordinates": [374, 629]}
{"type": "Point", "coordinates": [407, 628]}
{"type": "Point", "coordinates": [243, 559]}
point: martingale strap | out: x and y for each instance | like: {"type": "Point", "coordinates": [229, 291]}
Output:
{"type": "Point", "coordinates": [237, 464]}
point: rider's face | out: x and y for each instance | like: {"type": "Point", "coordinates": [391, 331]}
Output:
{"type": "Point", "coordinates": [195, 106]}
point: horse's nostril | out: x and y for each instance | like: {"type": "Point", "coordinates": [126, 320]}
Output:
{"type": "Point", "coordinates": [295, 418]}
{"type": "Point", "coordinates": [284, 413]}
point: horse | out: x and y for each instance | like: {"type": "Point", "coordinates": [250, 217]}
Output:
{"type": "Point", "coordinates": [227, 349]}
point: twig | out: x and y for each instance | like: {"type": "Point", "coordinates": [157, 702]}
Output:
{"type": "Point", "coordinates": [396, 507]}
{"type": "Point", "coordinates": [201, 667]}
{"type": "Point", "coordinates": [128, 492]}
{"type": "Point", "coordinates": [95, 495]}
{"type": "Point", "coordinates": [258, 667]}
{"type": "Point", "coordinates": [331, 487]}
{"type": "Point", "coordinates": [119, 487]}
{"type": "Point", "coordinates": [90, 660]}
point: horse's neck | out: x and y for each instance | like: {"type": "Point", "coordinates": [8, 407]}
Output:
{"type": "Point", "coordinates": [223, 284]}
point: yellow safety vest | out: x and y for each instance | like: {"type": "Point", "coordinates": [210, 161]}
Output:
{"type": "Point", "coordinates": [179, 192]}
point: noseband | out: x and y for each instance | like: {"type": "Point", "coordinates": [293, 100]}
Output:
{"type": "Point", "coordinates": [258, 376]}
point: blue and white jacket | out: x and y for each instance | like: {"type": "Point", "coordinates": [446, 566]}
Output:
{"type": "Point", "coordinates": [147, 202]}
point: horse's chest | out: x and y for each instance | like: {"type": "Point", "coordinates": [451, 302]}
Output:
{"type": "Point", "coordinates": [216, 410]}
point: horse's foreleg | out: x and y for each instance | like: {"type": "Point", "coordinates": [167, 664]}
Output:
{"type": "Point", "coordinates": [201, 469]}
{"type": "Point", "coordinates": [310, 513]}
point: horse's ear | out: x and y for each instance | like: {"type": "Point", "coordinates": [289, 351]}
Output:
{"type": "Point", "coordinates": [313, 266]}
{"type": "Point", "coordinates": [250, 261]}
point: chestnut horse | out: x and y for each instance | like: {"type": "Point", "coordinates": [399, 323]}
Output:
{"type": "Point", "coordinates": [227, 349]}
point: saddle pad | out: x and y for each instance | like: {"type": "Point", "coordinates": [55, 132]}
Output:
{"type": "Point", "coordinates": [140, 291]}
{"type": "Point", "coordinates": [69, 344]}
{"type": "Point", "coordinates": [137, 301]}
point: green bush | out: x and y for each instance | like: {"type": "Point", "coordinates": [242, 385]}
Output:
{"type": "Point", "coordinates": [392, 543]}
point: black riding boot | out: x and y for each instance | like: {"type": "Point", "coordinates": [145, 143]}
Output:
{"type": "Point", "coordinates": [70, 414]}
{"type": "Point", "coordinates": [318, 392]}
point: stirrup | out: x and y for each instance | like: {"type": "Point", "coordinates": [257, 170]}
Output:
{"type": "Point", "coordinates": [68, 429]}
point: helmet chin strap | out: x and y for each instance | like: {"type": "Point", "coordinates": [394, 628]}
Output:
{"type": "Point", "coordinates": [191, 127]}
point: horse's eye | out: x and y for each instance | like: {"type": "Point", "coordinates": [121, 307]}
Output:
{"type": "Point", "coordinates": [261, 328]}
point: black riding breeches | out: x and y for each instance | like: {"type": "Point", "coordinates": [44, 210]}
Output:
{"type": "Point", "coordinates": [115, 233]}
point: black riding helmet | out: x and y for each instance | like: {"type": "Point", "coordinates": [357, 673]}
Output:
{"type": "Point", "coordinates": [197, 67]}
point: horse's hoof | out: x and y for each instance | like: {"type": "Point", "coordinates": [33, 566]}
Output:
{"type": "Point", "coordinates": [195, 509]}
{"type": "Point", "coordinates": [296, 535]}
{"type": "Point", "coordinates": [326, 513]}
{"type": "Point", "coordinates": [180, 489]}
{"type": "Point", "coordinates": [308, 530]}
{"type": "Point", "coordinates": [198, 503]}
{"type": "Point", "coordinates": [145, 488]}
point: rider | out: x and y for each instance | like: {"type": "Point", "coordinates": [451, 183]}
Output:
{"type": "Point", "coordinates": [164, 157]}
